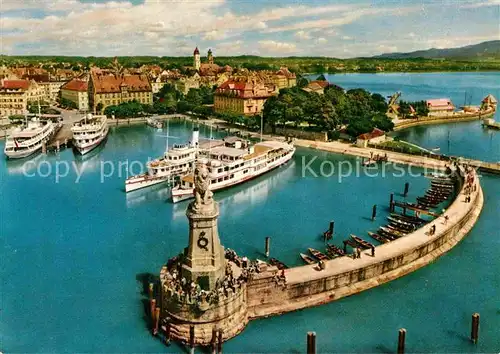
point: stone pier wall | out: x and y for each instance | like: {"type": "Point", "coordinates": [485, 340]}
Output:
{"type": "Point", "coordinates": [230, 315]}
{"type": "Point", "coordinates": [308, 286]}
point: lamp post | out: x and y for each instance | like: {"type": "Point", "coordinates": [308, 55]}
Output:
{"type": "Point", "coordinates": [261, 126]}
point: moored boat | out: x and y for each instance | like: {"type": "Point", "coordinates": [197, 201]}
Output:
{"type": "Point", "coordinates": [378, 237]}
{"type": "Point", "coordinates": [27, 140]}
{"type": "Point", "coordinates": [277, 263]}
{"type": "Point", "coordinates": [317, 254]}
{"type": "Point", "coordinates": [307, 259]}
{"type": "Point", "coordinates": [361, 242]}
{"type": "Point", "coordinates": [232, 161]}
{"type": "Point", "coordinates": [89, 133]}
{"type": "Point", "coordinates": [393, 230]}
{"type": "Point", "coordinates": [335, 250]}
{"type": "Point", "coordinates": [175, 162]}
{"type": "Point", "coordinates": [154, 122]}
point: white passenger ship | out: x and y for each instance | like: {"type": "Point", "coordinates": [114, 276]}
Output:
{"type": "Point", "coordinates": [89, 132]}
{"type": "Point", "coordinates": [233, 162]}
{"type": "Point", "coordinates": [176, 162]}
{"type": "Point", "coordinates": [27, 140]}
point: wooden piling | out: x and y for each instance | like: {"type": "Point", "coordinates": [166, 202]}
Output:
{"type": "Point", "coordinates": [374, 212]}
{"type": "Point", "coordinates": [167, 333]}
{"type": "Point", "coordinates": [407, 188]}
{"type": "Point", "coordinates": [474, 335]}
{"type": "Point", "coordinates": [152, 306]}
{"type": "Point", "coordinates": [311, 342]}
{"type": "Point", "coordinates": [151, 288]}
{"type": "Point", "coordinates": [401, 341]}
{"type": "Point", "coordinates": [157, 321]}
{"type": "Point", "coordinates": [391, 203]}
{"type": "Point", "coordinates": [213, 341]}
{"type": "Point", "coordinates": [219, 342]}
{"type": "Point", "coordinates": [191, 338]}
{"type": "Point", "coordinates": [268, 240]}
{"type": "Point", "coordinates": [330, 229]}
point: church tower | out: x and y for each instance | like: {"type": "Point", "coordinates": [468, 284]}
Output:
{"type": "Point", "coordinates": [196, 59]}
{"type": "Point", "coordinates": [210, 57]}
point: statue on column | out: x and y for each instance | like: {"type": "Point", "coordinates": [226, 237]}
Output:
{"type": "Point", "coordinates": [202, 193]}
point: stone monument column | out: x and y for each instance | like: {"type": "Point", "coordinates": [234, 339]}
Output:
{"type": "Point", "coordinates": [204, 261]}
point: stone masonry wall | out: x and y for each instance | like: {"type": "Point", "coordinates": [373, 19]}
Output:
{"type": "Point", "coordinates": [265, 298]}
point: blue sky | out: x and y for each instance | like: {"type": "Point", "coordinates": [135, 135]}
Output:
{"type": "Point", "coordinates": [233, 27]}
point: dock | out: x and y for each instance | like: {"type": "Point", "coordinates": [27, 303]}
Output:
{"type": "Point", "coordinates": [61, 139]}
{"type": "Point", "coordinates": [491, 123]}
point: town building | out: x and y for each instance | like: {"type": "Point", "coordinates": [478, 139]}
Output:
{"type": "Point", "coordinates": [282, 78]}
{"type": "Point", "coordinates": [15, 96]}
{"type": "Point", "coordinates": [76, 91]}
{"type": "Point", "coordinates": [244, 96]}
{"type": "Point", "coordinates": [440, 106]}
{"type": "Point", "coordinates": [376, 136]}
{"type": "Point", "coordinates": [317, 86]}
{"type": "Point", "coordinates": [106, 89]}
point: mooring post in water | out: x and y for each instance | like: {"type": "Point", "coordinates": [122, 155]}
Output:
{"type": "Point", "coordinates": [401, 341]}
{"type": "Point", "coordinates": [268, 241]}
{"type": "Point", "coordinates": [213, 341]}
{"type": "Point", "coordinates": [191, 339]}
{"type": "Point", "coordinates": [407, 188]}
{"type": "Point", "coordinates": [152, 306]}
{"type": "Point", "coordinates": [311, 342]}
{"type": "Point", "coordinates": [157, 321]}
{"type": "Point", "coordinates": [474, 334]}
{"type": "Point", "coordinates": [167, 334]}
{"type": "Point", "coordinates": [374, 212]}
{"type": "Point", "coordinates": [151, 288]}
{"type": "Point", "coordinates": [391, 203]}
{"type": "Point", "coordinates": [332, 226]}
{"type": "Point", "coordinates": [219, 342]}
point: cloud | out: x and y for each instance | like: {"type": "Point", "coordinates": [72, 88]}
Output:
{"type": "Point", "coordinates": [302, 35]}
{"type": "Point", "coordinates": [346, 38]}
{"type": "Point", "coordinates": [213, 35]}
{"type": "Point", "coordinates": [321, 40]}
{"type": "Point", "coordinates": [477, 4]}
{"type": "Point", "coordinates": [277, 47]}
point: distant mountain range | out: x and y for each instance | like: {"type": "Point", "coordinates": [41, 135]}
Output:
{"type": "Point", "coordinates": [484, 50]}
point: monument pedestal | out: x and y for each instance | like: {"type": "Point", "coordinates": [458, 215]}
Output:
{"type": "Point", "coordinates": [205, 263]}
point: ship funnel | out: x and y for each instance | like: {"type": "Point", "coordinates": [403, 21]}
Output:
{"type": "Point", "coordinates": [195, 138]}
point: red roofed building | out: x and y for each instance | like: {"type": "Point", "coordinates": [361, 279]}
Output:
{"type": "Point", "coordinates": [317, 86]}
{"type": "Point", "coordinates": [374, 137]}
{"type": "Point", "coordinates": [15, 95]}
{"type": "Point", "coordinates": [76, 91]}
{"type": "Point", "coordinates": [107, 89]}
{"type": "Point", "coordinates": [440, 106]}
{"type": "Point", "coordinates": [245, 97]}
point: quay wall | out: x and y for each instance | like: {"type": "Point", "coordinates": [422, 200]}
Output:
{"type": "Point", "coordinates": [308, 286]}
{"type": "Point", "coordinates": [464, 117]}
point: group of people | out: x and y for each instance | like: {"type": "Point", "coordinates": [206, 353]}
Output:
{"type": "Point", "coordinates": [279, 278]}
{"type": "Point", "coordinates": [192, 291]}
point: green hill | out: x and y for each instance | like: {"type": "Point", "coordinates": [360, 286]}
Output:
{"type": "Point", "coordinates": [484, 50]}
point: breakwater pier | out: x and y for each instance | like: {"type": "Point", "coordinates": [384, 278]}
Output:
{"type": "Point", "coordinates": [429, 161]}
{"type": "Point", "coordinates": [204, 299]}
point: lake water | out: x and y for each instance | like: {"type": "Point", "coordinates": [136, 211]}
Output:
{"type": "Point", "coordinates": [467, 139]}
{"type": "Point", "coordinates": [71, 254]}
